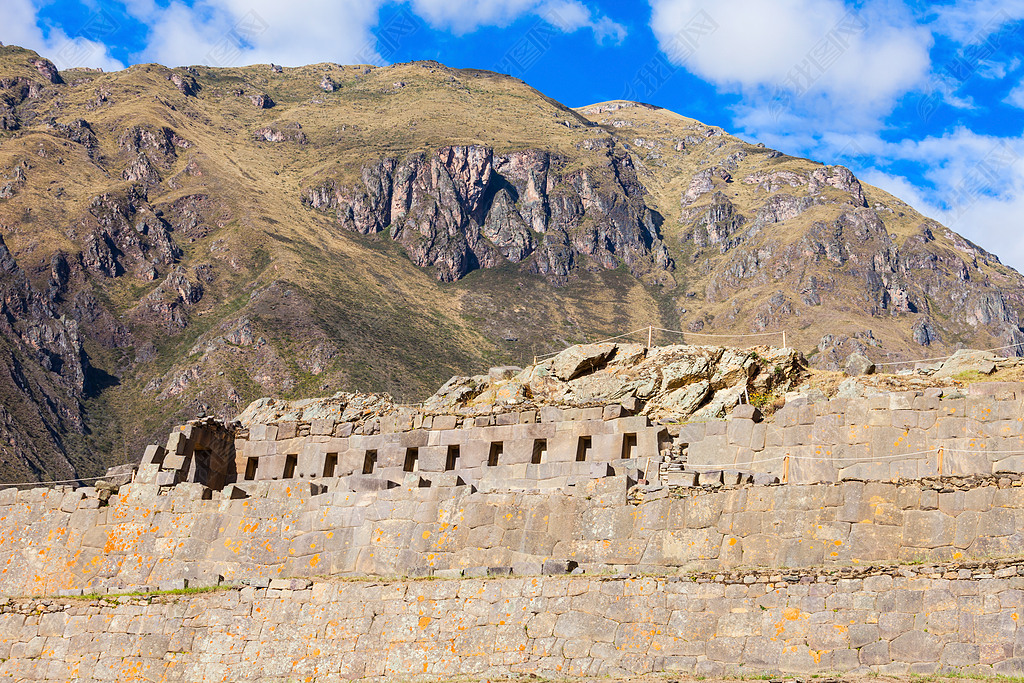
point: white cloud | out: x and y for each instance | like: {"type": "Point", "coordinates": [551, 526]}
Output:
{"type": "Point", "coordinates": [207, 31]}
{"type": "Point", "coordinates": [974, 185]}
{"type": "Point", "coordinates": [971, 21]}
{"type": "Point", "coordinates": [860, 62]}
{"type": "Point", "coordinates": [464, 16]}
{"type": "Point", "coordinates": [991, 222]}
{"type": "Point", "coordinates": [21, 28]}
{"type": "Point", "coordinates": [233, 32]}
{"type": "Point", "coordinates": [571, 15]}
{"type": "Point", "coordinates": [1016, 96]}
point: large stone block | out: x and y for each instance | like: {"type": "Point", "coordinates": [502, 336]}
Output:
{"type": "Point", "coordinates": [740, 432]}
{"type": "Point", "coordinates": [928, 529]}
{"type": "Point", "coordinates": [916, 646]}
{"type": "Point", "coordinates": [873, 543]}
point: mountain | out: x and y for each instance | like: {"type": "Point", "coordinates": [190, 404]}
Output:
{"type": "Point", "coordinates": [182, 241]}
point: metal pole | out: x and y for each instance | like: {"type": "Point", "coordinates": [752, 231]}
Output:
{"type": "Point", "coordinates": [784, 340]}
{"type": "Point", "coordinates": [650, 335]}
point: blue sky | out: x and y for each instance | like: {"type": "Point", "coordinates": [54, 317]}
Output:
{"type": "Point", "coordinates": [923, 99]}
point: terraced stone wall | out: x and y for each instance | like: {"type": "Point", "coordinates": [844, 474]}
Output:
{"type": "Point", "coordinates": [906, 435]}
{"type": "Point", "coordinates": [53, 541]}
{"type": "Point", "coordinates": [916, 620]}
{"type": "Point", "coordinates": [546, 448]}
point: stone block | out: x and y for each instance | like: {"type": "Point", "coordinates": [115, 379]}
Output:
{"type": "Point", "coordinates": [758, 437]}
{"type": "Point", "coordinates": [875, 654]}
{"type": "Point", "coordinates": [444, 422]}
{"type": "Point", "coordinates": [716, 427]}
{"type": "Point", "coordinates": [745, 411]}
{"type": "Point", "coordinates": [551, 414]}
{"type": "Point", "coordinates": [555, 567]}
{"type": "Point", "coordinates": [154, 455]}
{"type": "Point", "coordinates": [691, 432]}
{"type": "Point", "coordinates": [928, 529]}
{"type": "Point", "coordinates": [613, 412]}
{"type": "Point", "coordinates": [322, 427]}
{"type": "Point", "coordinates": [916, 646]}
{"type": "Point", "coordinates": [291, 584]}
{"type": "Point", "coordinates": [684, 478]}
{"type": "Point", "coordinates": [739, 432]}
{"type": "Point", "coordinates": [165, 478]}
{"type": "Point", "coordinates": [709, 478]}
{"type": "Point", "coordinates": [287, 430]}
{"type": "Point", "coordinates": [872, 542]}
{"type": "Point", "coordinates": [862, 634]}
{"type": "Point", "coordinates": [503, 419]}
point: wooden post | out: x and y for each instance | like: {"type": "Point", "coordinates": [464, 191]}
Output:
{"type": "Point", "coordinates": [650, 335]}
{"type": "Point", "coordinates": [784, 340]}
{"type": "Point", "coordinates": [785, 470]}
{"type": "Point", "coordinates": [941, 454]}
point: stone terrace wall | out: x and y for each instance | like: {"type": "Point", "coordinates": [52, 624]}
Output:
{"type": "Point", "coordinates": [55, 541]}
{"type": "Point", "coordinates": [549, 626]}
{"type": "Point", "coordinates": [874, 438]}
{"type": "Point", "coordinates": [906, 435]}
{"type": "Point", "coordinates": [546, 448]}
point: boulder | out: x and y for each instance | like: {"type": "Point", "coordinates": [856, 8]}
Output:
{"type": "Point", "coordinates": [576, 360]}
{"type": "Point", "coordinates": [967, 360]}
{"type": "Point", "coordinates": [118, 475]}
{"type": "Point", "coordinates": [721, 403]}
{"type": "Point", "coordinates": [503, 372]}
{"type": "Point", "coordinates": [512, 392]}
{"type": "Point", "coordinates": [745, 411]}
{"type": "Point", "coordinates": [686, 400]}
{"type": "Point", "coordinates": [859, 364]}
{"type": "Point", "coordinates": [686, 371]}
{"type": "Point", "coordinates": [850, 388]}
{"type": "Point", "coordinates": [454, 392]}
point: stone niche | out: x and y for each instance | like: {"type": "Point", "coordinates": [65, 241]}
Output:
{"type": "Point", "coordinates": [550, 448]}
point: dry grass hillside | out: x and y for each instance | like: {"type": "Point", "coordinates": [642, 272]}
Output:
{"type": "Point", "coordinates": [215, 235]}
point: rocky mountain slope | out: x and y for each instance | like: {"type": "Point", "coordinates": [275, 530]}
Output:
{"type": "Point", "coordinates": [182, 241]}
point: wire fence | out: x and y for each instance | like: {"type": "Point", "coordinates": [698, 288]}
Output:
{"type": "Point", "coordinates": [938, 452]}
{"type": "Point", "coordinates": [650, 331]}
{"type": "Point", "coordinates": [1018, 347]}
{"type": "Point", "coordinates": [57, 481]}
{"type": "Point", "coordinates": [781, 335]}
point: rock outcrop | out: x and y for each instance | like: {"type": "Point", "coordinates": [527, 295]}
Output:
{"type": "Point", "coordinates": [669, 383]}
{"type": "Point", "coordinates": [44, 377]}
{"type": "Point", "coordinates": [463, 208]}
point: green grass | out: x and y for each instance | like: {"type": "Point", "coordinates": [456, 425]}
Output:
{"type": "Point", "coordinates": [133, 594]}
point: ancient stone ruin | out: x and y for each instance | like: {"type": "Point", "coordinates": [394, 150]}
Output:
{"type": "Point", "coordinates": [614, 510]}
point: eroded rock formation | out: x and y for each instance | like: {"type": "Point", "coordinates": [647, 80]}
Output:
{"type": "Point", "coordinates": [463, 208]}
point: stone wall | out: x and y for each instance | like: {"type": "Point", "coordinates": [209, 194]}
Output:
{"type": "Point", "coordinates": [913, 622]}
{"type": "Point", "coordinates": [546, 448]}
{"type": "Point", "coordinates": [57, 541]}
{"type": "Point", "coordinates": [271, 506]}
{"type": "Point", "coordinates": [908, 435]}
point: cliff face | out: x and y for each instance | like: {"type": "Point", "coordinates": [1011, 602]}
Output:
{"type": "Point", "coordinates": [44, 376]}
{"type": "Point", "coordinates": [463, 208]}
{"type": "Point", "coordinates": [182, 241]}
